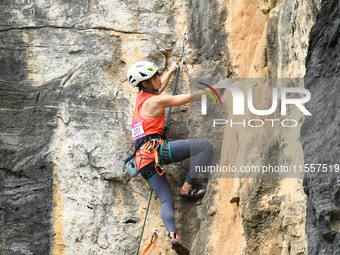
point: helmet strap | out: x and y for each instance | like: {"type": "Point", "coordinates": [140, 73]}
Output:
{"type": "Point", "coordinates": [152, 91]}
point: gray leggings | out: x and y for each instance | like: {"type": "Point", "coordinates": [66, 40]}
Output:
{"type": "Point", "coordinates": [180, 150]}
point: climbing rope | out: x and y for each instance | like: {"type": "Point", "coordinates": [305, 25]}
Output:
{"type": "Point", "coordinates": [179, 64]}
{"type": "Point", "coordinates": [146, 215]}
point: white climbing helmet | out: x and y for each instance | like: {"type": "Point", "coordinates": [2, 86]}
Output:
{"type": "Point", "coordinates": [141, 71]}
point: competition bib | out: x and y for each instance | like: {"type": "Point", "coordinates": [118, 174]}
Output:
{"type": "Point", "coordinates": [137, 130]}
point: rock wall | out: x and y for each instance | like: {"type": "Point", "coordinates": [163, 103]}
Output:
{"type": "Point", "coordinates": [320, 134]}
{"type": "Point", "coordinates": [267, 39]}
{"type": "Point", "coordinates": [26, 175]}
{"type": "Point", "coordinates": [66, 112]}
{"type": "Point", "coordinates": [65, 123]}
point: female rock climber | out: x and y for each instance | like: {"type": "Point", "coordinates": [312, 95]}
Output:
{"type": "Point", "coordinates": [147, 132]}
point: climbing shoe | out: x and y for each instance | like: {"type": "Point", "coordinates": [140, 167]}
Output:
{"type": "Point", "coordinates": [192, 192]}
{"type": "Point", "coordinates": [178, 246]}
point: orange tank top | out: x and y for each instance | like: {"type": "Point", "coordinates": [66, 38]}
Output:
{"type": "Point", "coordinates": [143, 126]}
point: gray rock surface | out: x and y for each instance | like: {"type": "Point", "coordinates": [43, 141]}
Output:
{"type": "Point", "coordinates": [27, 121]}
{"type": "Point", "coordinates": [66, 110]}
{"type": "Point", "coordinates": [320, 133]}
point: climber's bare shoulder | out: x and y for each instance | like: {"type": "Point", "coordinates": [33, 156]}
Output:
{"type": "Point", "coordinates": [154, 106]}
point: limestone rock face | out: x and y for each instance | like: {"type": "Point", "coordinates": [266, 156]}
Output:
{"type": "Point", "coordinates": [271, 211]}
{"type": "Point", "coordinates": [27, 124]}
{"type": "Point", "coordinates": [320, 134]}
{"type": "Point", "coordinates": [66, 112]}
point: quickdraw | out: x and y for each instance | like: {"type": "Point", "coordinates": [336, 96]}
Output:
{"type": "Point", "coordinates": [179, 64]}
{"type": "Point", "coordinates": [184, 42]}
{"type": "Point", "coordinates": [154, 238]}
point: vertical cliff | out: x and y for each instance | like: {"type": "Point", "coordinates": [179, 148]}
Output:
{"type": "Point", "coordinates": [26, 172]}
{"type": "Point", "coordinates": [266, 39]}
{"type": "Point", "coordinates": [320, 134]}
{"type": "Point", "coordinates": [66, 111]}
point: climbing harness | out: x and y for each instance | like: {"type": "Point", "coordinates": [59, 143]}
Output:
{"type": "Point", "coordinates": [162, 157]}
{"type": "Point", "coordinates": [130, 161]}
{"type": "Point", "coordinates": [165, 152]}
{"type": "Point", "coordinates": [153, 145]}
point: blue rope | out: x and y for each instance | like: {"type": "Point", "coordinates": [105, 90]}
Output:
{"type": "Point", "coordinates": [146, 215]}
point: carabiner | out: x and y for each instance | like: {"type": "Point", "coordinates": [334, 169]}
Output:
{"type": "Point", "coordinates": [181, 57]}
{"type": "Point", "coordinates": [154, 235]}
